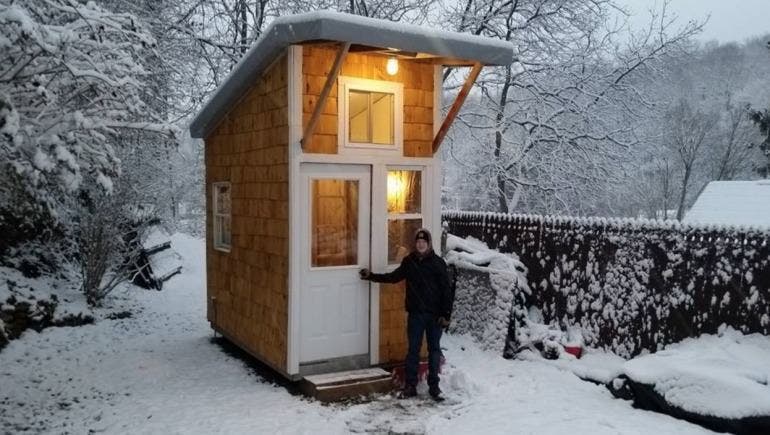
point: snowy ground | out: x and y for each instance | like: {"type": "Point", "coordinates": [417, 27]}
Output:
{"type": "Point", "coordinates": [159, 372]}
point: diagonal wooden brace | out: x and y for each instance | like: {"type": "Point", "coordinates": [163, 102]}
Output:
{"type": "Point", "coordinates": [455, 109]}
{"type": "Point", "coordinates": [319, 106]}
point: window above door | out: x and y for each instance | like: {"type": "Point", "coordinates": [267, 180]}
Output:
{"type": "Point", "coordinates": [370, 116]}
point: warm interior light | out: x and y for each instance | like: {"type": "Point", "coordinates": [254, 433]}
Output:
{"type": "Point", "coordinates": [396, 191]}
{"type": "Point", "coordinates": [392, 65]}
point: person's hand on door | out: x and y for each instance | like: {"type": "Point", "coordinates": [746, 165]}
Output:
{"type": "Point", "coordinates": [364, 273]}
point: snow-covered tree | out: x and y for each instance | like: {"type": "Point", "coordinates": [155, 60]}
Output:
{"type": "Point", "coordinates": [762, 120]}
{"type": "Point", "coordinates": [718, 81]}
{"type": "Point", "coordinates": [553, 131]}
{"type": "Point", "coordinates": [687, 132]}
{"type": "Point", "coordinates": [72, 79]}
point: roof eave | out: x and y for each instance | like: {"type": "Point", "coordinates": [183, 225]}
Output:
{"type": "Point", "coordinates": [283, 33]}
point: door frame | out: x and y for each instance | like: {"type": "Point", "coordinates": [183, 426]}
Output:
{"type": "Point", "coordinates": [333, 171]}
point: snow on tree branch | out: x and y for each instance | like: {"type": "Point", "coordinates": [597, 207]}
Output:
{"type": "Point", "coordinates": [72, 76]}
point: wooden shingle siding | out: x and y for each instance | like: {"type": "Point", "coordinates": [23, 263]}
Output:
{"type": "Point", "coordinates": [393, 344]}
{"type": "Point", "coordinates": [249, 149]}
{"type": "Point", "coordinates": [418, 97]}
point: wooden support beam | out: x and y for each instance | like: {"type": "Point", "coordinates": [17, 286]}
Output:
{"type": "Point", "coordinates": [319, 105]}
{"type": "Point", "coordinates": [455, 109]}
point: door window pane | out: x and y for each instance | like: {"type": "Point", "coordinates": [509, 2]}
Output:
{"type": "Point", "coordinates": [401, 238]}
{"type": "Point", "coordinates": [334, 222]}
{"type": "Point", "coordinates": [404, 191]}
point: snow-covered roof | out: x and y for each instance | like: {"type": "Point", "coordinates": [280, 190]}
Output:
{"type": "Point", "coordinates": [739, 203]}
{"type": "Point", "coordinates": [452, 47]}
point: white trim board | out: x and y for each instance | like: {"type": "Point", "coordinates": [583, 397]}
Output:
{"type": "Point", "coordinates": [294, 82]}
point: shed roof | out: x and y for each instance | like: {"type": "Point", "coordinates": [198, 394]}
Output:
{"type": "Point", "coordinates": [739, 203]}
{"type": "Point", "coordinates": [448, 47]}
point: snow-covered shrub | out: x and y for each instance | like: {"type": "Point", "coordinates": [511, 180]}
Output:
{"type": "Point", "coordinates": [633, 285]}
{"type": "Point", "coordinates": [37, 304]}
{"type": "Point", "coordinates": [29, 234]}
{"type": "Point", "coordinates": [487, 283]}
{"type": "Point", "coordinates": [107, 240]}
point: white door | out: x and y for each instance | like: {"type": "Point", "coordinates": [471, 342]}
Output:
{"type": "Point", "coordinates": [334, 301]}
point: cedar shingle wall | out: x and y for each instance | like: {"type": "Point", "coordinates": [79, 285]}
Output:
{"type": "Point", "coordinates": [392, 323]}
{"type": "Point", "coordinates": [418, 96]}
{"type": "Point", "coordinates": [250, 149]}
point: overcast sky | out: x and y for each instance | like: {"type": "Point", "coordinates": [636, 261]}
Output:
{"type": "Point", "coordinates": [731, 20]}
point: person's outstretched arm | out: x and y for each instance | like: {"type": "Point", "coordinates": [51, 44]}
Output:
{"type": "Point", "coordinates": [391, 277]}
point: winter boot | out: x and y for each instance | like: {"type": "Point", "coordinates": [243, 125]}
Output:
{"type": "Point", "coordinates": [408, 391]}
{"type": "Point", "coordinates": [435, 393]}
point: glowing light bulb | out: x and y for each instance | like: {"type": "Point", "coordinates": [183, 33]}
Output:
{"type": "Point", "coordinates": [392, 66]}
{"type": "Point", "coordinates": [396, 192]}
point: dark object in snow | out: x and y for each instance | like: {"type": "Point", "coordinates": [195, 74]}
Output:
{"type": "Point", "coordinates": [119, 315]}
{"type": "Point", "coordinates": [645, 397]}
{"type": "Point", "coordinates": [407, 392]}
{"type": "Point", "coordinates": [620, 389]}
{"type": "Point", "coordinates": [549, 349]}
{"type": "Point", "coordinates": [158, 261]}
{"type": "Point", "coordinates": [435, 393]}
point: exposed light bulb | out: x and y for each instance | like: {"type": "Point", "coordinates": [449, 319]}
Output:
{"type": "Point", "coordinates": [396, 191]}
{"type": "Point", "coordinates": [391, 67]}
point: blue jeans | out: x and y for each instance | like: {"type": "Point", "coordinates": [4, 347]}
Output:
{"type": "Point", "coordinates": [418, 324]}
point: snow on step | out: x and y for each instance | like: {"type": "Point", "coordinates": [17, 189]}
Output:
{"type": "Point", "coordinates": [347, 376]}
{"type": "Point", "coordinates": [340, 385]}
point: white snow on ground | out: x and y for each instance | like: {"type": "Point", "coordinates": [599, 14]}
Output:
{"type": "Point", "coordinates": [724, 375]}
{"type": "Point", "coordinates": [159, 372]}
{"type": "Point", "coordinates": [595, 365]}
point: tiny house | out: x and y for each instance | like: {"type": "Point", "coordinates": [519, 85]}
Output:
{"type": "Point", "coordinates": [321, 158]}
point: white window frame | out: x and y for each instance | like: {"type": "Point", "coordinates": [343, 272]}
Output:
{"type": "Point", "coordinates": [217, 239]}
{"type": "Point", "coordinates": [345, 85]}
{"type": "Point", "coordinates": [404, 216]}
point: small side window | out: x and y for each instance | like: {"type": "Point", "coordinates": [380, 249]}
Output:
{"type": "Point", "coordinates": [222, 217]}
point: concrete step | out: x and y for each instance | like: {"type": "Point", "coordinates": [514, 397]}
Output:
{"type": "Point", "coordinates": [330, 387]}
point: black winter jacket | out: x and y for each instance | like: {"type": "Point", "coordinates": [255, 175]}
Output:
{"type": "Point", "coordinates": [427, 284]}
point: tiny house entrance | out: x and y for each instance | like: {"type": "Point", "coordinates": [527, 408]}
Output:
{"type": "Point", "coordinates": [334, 301]}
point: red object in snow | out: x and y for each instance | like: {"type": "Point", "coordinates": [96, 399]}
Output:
{"type": "Point", "coordinates": [574, 350]}
{"type": "Point", "coordinates": [399, 378]}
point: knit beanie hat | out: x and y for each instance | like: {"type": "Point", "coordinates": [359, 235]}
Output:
{"type": "Point", "coordinates": [424, 234]}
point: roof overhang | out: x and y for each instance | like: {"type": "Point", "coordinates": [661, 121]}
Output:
{"type": "Point", "coordinates": [367, 34]}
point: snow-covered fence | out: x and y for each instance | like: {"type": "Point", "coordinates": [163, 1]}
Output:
{"type": "Point", "coordinates": [634, 284]}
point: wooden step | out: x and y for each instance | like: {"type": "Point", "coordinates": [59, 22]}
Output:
{"type": "Point", "coordinates": [330, 387]}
